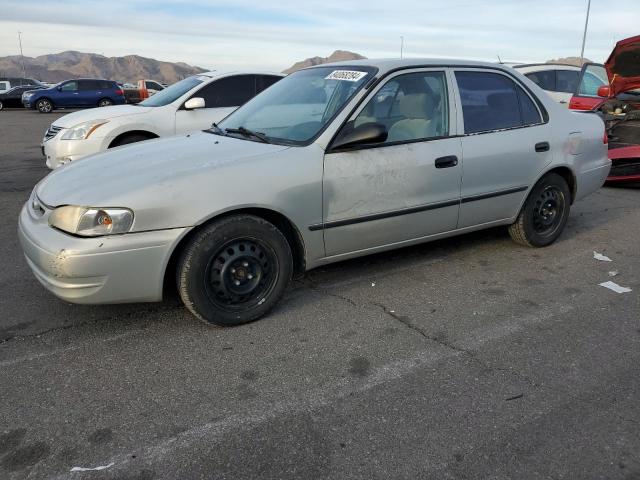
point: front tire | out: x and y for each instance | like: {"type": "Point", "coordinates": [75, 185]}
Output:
{"type": "Point", "coordinates": [44, 105]}
{"type": "Point", "coordinates": [234, 270]}
{"type": "Point", "coordinates": [544, 214]}
{"type": "Point", "coordinates": [1, 105]}
{"type": "Point", "coordinates": [105, 102]}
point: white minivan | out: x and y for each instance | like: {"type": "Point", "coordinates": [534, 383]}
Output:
{"type": "Point", "coordinates": [189, 105]}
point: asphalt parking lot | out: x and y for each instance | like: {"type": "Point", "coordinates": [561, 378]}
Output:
{"type": "Point", "coordinates": [467, 358]}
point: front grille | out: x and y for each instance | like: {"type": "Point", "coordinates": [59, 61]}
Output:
{"type": "Point", "coordinates": [624, 167]}
{"type": "Point", "coordinates": [51, 132]}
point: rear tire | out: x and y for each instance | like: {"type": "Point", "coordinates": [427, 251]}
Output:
{"type": "Point", "coordinates": [105, 102]}
{"type": "Point", "coordinates": [544, 214]}
{"type": "Point", "coordinates": [234, 270]}
{"type": "Point", "coordinates": [44, 105]}
{"type": "Point", "coordinates": [1, 106]}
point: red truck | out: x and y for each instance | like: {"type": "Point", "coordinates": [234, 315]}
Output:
{"type": "Point", "coordinates": [144, 89]}
{"type": "Point", "coordinates": [613, 90]}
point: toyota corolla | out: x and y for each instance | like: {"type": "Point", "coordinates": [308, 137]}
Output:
{"type": "Point", "coordinates": [332, 162]}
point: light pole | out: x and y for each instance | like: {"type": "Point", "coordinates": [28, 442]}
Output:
{"type": "Point", "coordinates": [584, 35]}
{"type": "Point", "coordinates": [24, 71]}
{"type": "Point", "coordinates": [401, 45]}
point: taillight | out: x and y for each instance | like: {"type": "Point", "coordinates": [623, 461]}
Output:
{"type": "Point", "coordinates": [119, 92]}
{"type": "Point", "coordinates": [605, 139]}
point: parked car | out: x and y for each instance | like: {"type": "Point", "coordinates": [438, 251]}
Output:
{"type": "Point", "coordinates": [7, 83]}
{"type": "Point", "coordinates": [318, 168]}
{"type": "Point", "coordinates": [84, 92]}
{"type": "Point", "coordinates": [558, 80]}
{"type": "Point", "coordinates": [189, 105]}
{"type": "Point", "coordinates": [143, 89]}
{"type": "Point", "coordinates": [13, 98]}
{"type": "Point", "coordinates": [613, 91]}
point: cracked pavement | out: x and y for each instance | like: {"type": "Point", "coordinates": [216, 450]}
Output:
{"type": "Point", "coordinates": [466, 358]}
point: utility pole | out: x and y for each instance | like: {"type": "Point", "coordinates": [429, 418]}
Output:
{"type": "Point", "coordinates": [401, 45]}
{"type": "Point", "coordinates": [584, 35]}
{"type": "Point", "coordinates": [24, 71]}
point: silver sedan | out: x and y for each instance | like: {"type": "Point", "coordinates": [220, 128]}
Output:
{"type": "Point", "coordinates": [332, 162]}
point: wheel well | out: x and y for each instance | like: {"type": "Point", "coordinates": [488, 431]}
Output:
{"type": "Point", "coordinates": [569, 177]}
{"type": "Point", "coordinates": [282, 223]}
{"type": "Point", "coordinates": [144, 133]}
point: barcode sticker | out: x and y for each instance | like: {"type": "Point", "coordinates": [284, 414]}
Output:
{"type": "Point", "coordinates": [346, 75]}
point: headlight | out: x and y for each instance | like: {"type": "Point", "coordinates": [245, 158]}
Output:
{"type": "Point", "coordinates": [27, 94]}
{"type": "Point", "coordinates": [91, 222]}
{"type": "Point", "coordinates": [83, 130]}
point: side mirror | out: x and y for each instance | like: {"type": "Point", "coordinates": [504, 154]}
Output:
{"type": "Point", "coordinates": [194, 103]}
{"type": "Point", "coordinates": [362, 134]}
{"type": "Point", "coordinates": [604, 91]}
{"type": "Point", "coordinates": [59, 88]}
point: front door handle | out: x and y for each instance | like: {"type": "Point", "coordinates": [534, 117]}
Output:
{"type": "Point", "coordinates": [542, 147]}
{"type": "Point", "coordinates": [446, 162]}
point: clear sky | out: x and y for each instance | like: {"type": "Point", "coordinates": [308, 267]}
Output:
{"type": "Point", "coordinates": [273, 34]}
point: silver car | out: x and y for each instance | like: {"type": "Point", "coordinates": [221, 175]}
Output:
{"type": "Point", "coordinates": [332, 162]}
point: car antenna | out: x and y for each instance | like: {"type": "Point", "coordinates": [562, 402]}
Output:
{"type": "Point", "coordinates": [499, 60]}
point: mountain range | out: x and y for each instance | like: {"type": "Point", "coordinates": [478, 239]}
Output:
{"type": "Point", "coordinates": [62, 66]}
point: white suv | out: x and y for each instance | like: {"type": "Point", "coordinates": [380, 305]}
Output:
{"type": "Point", "coordinates": [558, 80]}
{"type": "Point", "coordinates": [191, 104]}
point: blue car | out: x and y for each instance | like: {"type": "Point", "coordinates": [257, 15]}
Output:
{"type": "Point", "coordinates": [75, 93]}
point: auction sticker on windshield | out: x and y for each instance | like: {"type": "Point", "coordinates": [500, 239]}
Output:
{"type": "Point", "coordinates": [347, 75]}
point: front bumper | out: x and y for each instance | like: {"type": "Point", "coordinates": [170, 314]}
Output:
{"type": "Point", "coordinates": [58, 152]}
{"type": "Point", "coordinates": [111, 269]}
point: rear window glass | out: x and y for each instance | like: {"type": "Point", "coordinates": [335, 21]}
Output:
{"type": "Point", "coordinates": [491, 101]}
{"type": "Point", "coordinates": [545, 79]}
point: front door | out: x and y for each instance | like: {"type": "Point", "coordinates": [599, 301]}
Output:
{"type": "Point", "coordinates": [505, 147]}
{"type": "Point", "coordinates": [68, 95]}
{"type": "Point", "coordinates": [221, 97]}
{"type": "Point", "coordinates": [404, 188]}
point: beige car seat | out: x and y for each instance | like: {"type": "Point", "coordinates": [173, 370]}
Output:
{"type": "Point", "coordinates": [414, 108]}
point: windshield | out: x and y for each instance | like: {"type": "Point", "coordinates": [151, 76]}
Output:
{"type": "Point", "coordinates": [298, 107]}
{"type": "Point", "coordinates": [594, 77]}
{"type": "Point", "coordinates": [172, 93]}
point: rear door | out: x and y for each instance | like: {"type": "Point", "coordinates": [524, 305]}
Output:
{"type": "Point", "coordinates": [405, 188]}
{"type": "Point", "coordinates": [221, 97]}
{"type": "Point", "coordinates": [90, 92]}
{"type": "Point", "coordinates": [506, 144]}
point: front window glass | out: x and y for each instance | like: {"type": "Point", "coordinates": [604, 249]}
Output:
{"type": "Point", "coordinates": [594, 77]}
{"type": "Point", "coordinates": [298, 107]}
{"type": "Point", "coordinates": [412, 106]}
{"type": "Point", "coordinates": [172, 93]}
{"type": "Point", "coordinates": [230, 91]}
{"type": "Point", "coordinates": [69, 87]}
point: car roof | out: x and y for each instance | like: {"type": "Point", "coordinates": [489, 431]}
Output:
{"type": "Point", "coordinates": [227, 73]}
{"type": "Point", "coordinates": [532, 67]}
{"type": "Point", "coordinates": [385, 65]}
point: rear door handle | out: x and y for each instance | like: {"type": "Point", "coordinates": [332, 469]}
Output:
{"type": "Point", "coordinates": [542, 147]}
{"type": "Point", "coordinates": [446, 162]}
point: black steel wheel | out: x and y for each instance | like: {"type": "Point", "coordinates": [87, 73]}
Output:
{"type": "Point", "coordinates": [234, 270]}
{"type": "Point", "coordinates": [44, 105]}
{"type": "Point", "coordinates": [544, 214]}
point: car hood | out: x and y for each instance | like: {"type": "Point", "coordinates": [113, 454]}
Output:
{"type": "Point", "coordinates": [150, 174]}
{"type": "Point", "coordinates": [102, 113]}
{"type": "Point", "coordinates": [623, 66]}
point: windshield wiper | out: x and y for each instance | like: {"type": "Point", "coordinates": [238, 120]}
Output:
{"type": "Point", "coordinates": [248, 133]}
